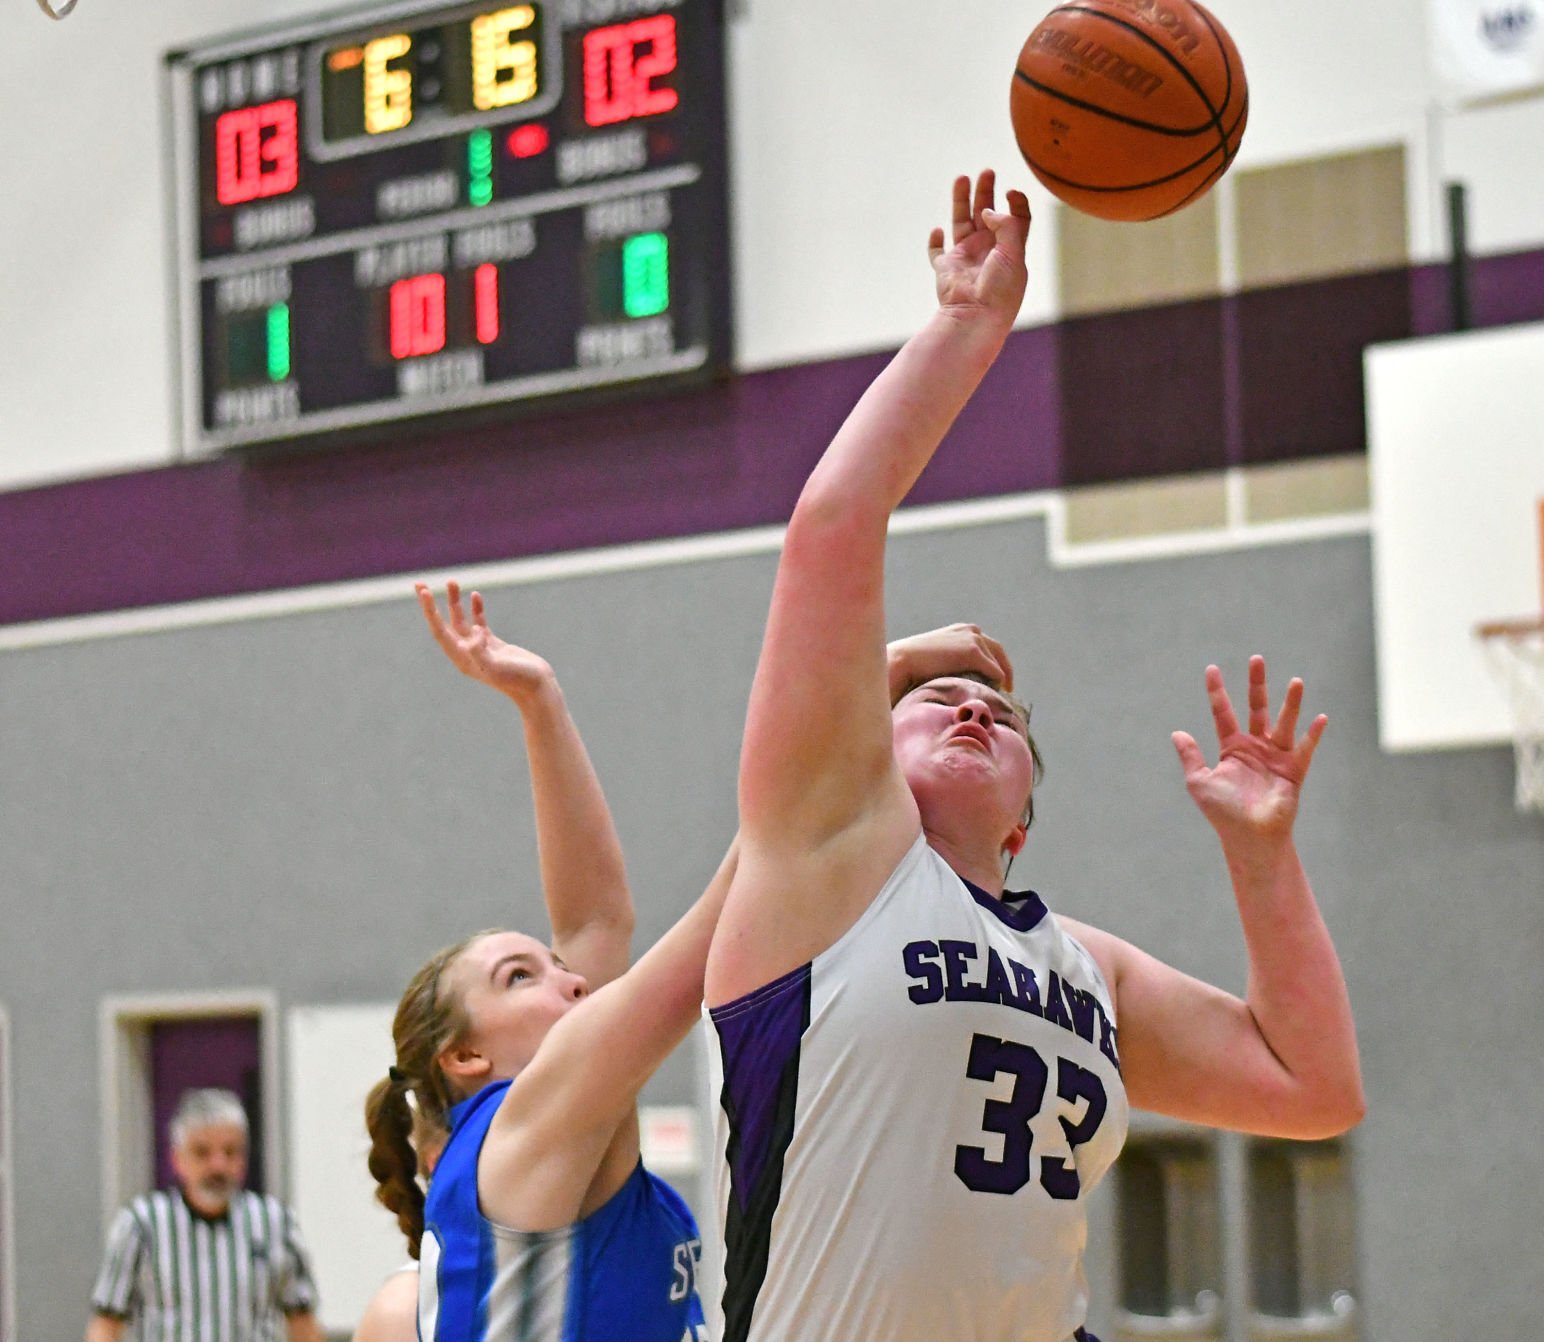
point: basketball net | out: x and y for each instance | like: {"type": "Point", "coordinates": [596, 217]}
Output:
{"type": "Point", "coordinates": [1515, 650]}
{"type": "Point", "coordinates": [56, 13]}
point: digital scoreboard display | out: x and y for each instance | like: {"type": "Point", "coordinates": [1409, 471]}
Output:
{"type": "Point", "coordinates": [424, 209]}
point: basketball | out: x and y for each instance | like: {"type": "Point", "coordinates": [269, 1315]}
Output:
{"type": "Point", "coordinates": [1129, 109]}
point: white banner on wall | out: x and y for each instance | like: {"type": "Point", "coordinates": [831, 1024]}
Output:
{"type": "Point", "coordinates": [1486, 48]}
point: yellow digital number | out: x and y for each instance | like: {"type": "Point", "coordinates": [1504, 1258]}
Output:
{"type": "Point", "coordinates": [388, 91]}
{"type": "Point", "coordinates": [503, 71]}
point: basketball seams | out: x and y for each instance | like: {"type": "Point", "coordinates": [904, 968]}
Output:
{"type": "Point", "coordinates": [1227, 64]}
{"type": "Point", "coordinates": [1214, 112]}
{"type": "Point", "coordinates": [1176, 132]}
{"type": "Point", "coordinates": [1156, 181]}
{"type": "Point", "coordinates": [1115, 116]}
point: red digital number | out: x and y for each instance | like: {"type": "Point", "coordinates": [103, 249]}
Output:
{"type": "Point", "coordinates": [485, 293]}
{"type": "Point", "coordinates": [417, 316]}
{"type": "Point", "coordinates": [256, 152]}
{"type": "Point", "coordinates": [621, 64]}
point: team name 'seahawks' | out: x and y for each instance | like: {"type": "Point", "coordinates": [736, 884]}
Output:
{"type": "Point", "coordinates": [951, 971]}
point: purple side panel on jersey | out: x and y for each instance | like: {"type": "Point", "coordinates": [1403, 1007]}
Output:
{"type": "Point", "coordinates": [759, 1035]}
{"type": "Point", "coordinates": [759, 1039]}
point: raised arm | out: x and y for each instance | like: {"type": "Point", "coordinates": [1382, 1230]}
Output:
{"type": "Point", "coordinates": [821, 799]}
{"type": "Point", "coordinates": [1283, 1061]}
{"type": "Point", "coordinates": [566, 1135]}
{"type": "Point", "coordinates": [584, 881]}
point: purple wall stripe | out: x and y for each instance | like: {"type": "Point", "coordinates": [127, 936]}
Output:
{"type": "Point", "coordinates": [1096, 399]}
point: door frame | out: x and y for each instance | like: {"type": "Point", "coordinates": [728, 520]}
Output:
{"type": "Point", "coordinates": [124, 1025]}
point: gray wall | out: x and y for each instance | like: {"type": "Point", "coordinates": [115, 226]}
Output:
{"type": "Point", "coordinates": [314, 802]}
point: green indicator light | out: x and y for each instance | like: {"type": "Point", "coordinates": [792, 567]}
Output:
{"type": "Point", "coordinates": [646, 275]}
{"type": "Point", "coordinates": [278, 342]}
{"type": "Point", "coordinates": [479, 167]}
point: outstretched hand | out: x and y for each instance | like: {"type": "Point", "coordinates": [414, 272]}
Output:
{"type": "Point", "coordinates": [1254, 787]}
{"type": "Point", "coordinates": [983, 269]}
{"type": "Point", "coordinates": [476, 650]}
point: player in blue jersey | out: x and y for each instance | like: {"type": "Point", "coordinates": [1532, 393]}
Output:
{"type": "Point", "coordinates": [540, 1223]}
{"type": "Point", "coordinates": [918, 1072]}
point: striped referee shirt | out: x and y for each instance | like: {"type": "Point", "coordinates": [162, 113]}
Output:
{"type": "Point", "coordinates": [193, 1278]}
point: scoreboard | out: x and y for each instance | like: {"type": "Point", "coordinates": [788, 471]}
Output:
{"type": "Point", "coordinates": [418, 210]}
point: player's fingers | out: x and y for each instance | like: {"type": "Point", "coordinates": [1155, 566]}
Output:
{"type": "Point", "coordinates": [960, 212]}
{"type": "Point", "coordinates": [999, 655]}
{"type": "Point", "coordinates": [1018, 205]}
{"type": "Point", "coordinates": [453, 601]}
{"type": "Point", "coordinates": [935, 244]}
{"type": "Point", "coordinates": [1010, 231]}
{"type": "Point", "coordinates": [1222, 706]}
{"type": "Point", "coordinates": [1311, 738]}
{"type": "Point", "coordinates": [1259, 697]}
{"type": "Point", "coordinates": [986, 196]}
{"type": "Point", "coordinates": [1284, 734]}
{"type": "Point", "coordinates": [428, 604]}
{"type": "Point", "coordinates": [1191, 760]}
{"type": "Point", "coordinates": [479, 614]}
{"type": "Point", "coordinates": [436, 621]}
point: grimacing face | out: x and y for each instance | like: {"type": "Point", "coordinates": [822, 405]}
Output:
{"type": "Point", "coordinates": [962, 743]}
{"type": "Point", "coordinates": [211, 1165]}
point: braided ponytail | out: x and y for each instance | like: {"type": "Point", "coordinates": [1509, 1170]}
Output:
{"type": "Point", "coordinates": [393, 1162]}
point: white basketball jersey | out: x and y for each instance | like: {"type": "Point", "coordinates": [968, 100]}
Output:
{"type": "Point", "coordinates": [908, 1127]}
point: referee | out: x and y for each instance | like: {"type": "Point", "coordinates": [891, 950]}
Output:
{"type": "Point", "coordinates": [206, 1261]}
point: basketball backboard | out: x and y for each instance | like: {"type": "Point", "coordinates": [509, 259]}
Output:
{"type": "Point", "coordinates": [1456, 441]}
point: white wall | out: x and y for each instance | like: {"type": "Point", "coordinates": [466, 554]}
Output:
{"type": "Point", "coordinates": [336, 1054]}
{"type": "Point", "coordinates": [848, 120]}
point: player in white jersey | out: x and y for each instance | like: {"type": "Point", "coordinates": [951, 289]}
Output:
{"type": "Point", "coordinates": [919, 1077]}
{"type": "Point", "coordinates": [540, 1223]}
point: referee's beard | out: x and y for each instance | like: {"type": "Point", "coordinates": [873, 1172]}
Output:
{"type": "Point", "coordinates": [215, 1191]}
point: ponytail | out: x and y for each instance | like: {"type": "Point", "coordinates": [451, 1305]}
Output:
{"type": "Point", "coordinates": [393, 1162]}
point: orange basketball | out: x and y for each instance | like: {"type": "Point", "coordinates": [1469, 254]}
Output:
{"type": "Point", "coordinates": [1129, 109]}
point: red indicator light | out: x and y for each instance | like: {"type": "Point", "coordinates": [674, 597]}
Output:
{"type": "Point", "coordinates": [417, 316]}
{"type": "Point", "coordinates": [486, 286]}
{"type": "Point", "coordinates": [528, 141]}
{"type": "Point", "coordinates": [621, 64]}
{"type": "Point", "coordinates": [256, 152]}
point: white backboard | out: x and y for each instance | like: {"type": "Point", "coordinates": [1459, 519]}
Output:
{"type": "Point", "coordinates": [1456, 439]}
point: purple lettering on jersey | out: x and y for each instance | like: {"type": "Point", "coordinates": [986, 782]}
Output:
{"type": "Point", "coordinates": [998, 987]}
{"type": "Point", "coordinates": [1082, 1005]}
{"type": "Point", "coordinates": [918, 957]}
{"type": "Point", "coordinates": [1107, 1039]}
{"type": "Point", "coordinates": [939, 971]}
{"type": "Point", "coordinates": [1055, 1006]}
{"type": "Point", "coordinates": [957, 955]}
{"type": "Point", "coordinates": [1029, 990]}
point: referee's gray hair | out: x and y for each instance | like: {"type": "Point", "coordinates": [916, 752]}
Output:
{"type": "Point", "coordinates": [202, 1108]}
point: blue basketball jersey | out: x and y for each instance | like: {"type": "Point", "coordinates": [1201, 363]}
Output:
{"type": "Point", "coordinates": [625, 1273]}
